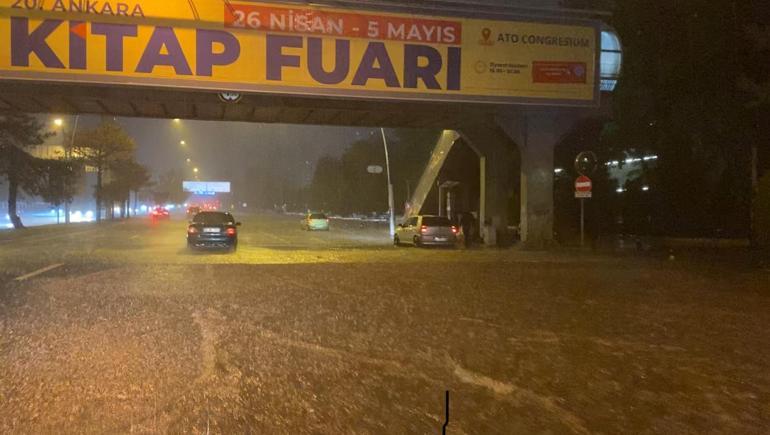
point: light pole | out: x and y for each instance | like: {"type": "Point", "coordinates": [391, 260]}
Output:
{"type": "Point", "coordinates": [390, 186]}
{"type": "Point", "coordinates": [58, 122]}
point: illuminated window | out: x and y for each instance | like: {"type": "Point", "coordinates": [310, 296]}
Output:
{"type": "Point", "coordinates": [611, 60]}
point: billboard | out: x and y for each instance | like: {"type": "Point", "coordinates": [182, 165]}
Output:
{"type": "Point", "coordinates": [206, 187]}
{"type": "Point", "coordinates": [299, 49]}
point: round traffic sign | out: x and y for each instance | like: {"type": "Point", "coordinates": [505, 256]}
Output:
{"type": "Point", "coordinates": [583, 184]}
{"type": "Point", "coordinates": [586, 163]}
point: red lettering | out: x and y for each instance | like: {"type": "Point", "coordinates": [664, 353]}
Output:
{"type": "Point", "coordinates": [353, 25]}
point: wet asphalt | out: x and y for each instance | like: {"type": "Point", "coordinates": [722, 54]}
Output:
{"type": "Point", "coordinates": [340, 332]}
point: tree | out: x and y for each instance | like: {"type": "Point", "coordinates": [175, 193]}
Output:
{"type": "Point", "coordinates": [344, 185]}
{"type": "Point", "coordinates": [100, 147]}
{"type": "Point", "coordinates": [762, 212]}
{"type": "Point", "coordinates": [138, 177]}
{"type": "Point", "coordinates": [410, 151]}
{"type": "Point", "coordinates": [57, 181]}
{"type": "Point", "coordinates": [18, 131]}
{"type": "Point", "coordinates": [114, 193]}
{"type": "Point", "coordinates": [169, 189]}
{"type": "Point", "coordinates": [127, 176]}
{"type": "Point", "coordinates": [757, 86]}
{"type": "Point", "coordinates": [755, 81]}
{"type": "Point", "coordinates": [328, 184]}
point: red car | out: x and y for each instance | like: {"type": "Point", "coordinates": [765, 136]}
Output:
{"type": "Point", "coordinates": [160, 213]}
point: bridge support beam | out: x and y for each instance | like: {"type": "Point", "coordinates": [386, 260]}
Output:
{"type": "Point", "coordinates": [536, 134]}
{"type": "Point", "coordinates": [496, 158]}
{"type": "Point", "coordinates": [496, 191]}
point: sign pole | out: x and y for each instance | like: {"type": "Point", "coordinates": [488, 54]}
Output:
{"type": "Point", "coordinates": [583, 188]}
{"type": "Point", "coordinates": [585, 164]}
{"type": "Point", "coordinates": [582, 222]}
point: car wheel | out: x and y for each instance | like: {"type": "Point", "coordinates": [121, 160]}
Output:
{"type": "Point", "coordinates": [416, 242]}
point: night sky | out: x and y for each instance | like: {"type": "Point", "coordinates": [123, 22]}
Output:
{"type": "Point", "coordinates": [222, 149]}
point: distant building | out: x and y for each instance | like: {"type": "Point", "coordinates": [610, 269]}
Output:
{"type": "Point", "coordinates": [47, 151]}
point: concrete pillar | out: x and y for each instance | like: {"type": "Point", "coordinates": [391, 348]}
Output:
{"type": "Point", "coordinates": [496, 159]}
{"type": "Point", "coordinates": [536, 133]}
{"type": "Point", "coordinates": [482, 191]}
{"type": "Point", "coordinates": [537, 194]}
{"type": "Point", "coordinates": [499, 186]}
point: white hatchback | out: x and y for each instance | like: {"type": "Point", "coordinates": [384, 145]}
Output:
{"type": "Point", "coordinates": [426, 230]}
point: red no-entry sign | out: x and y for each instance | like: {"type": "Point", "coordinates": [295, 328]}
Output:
{"type": "Point", "coordinates": [583, 187]}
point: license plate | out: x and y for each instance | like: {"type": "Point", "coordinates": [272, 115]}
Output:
{"type": "Point", "coordinates": [441, 239]}
{"type": "Point", "coordinates": [211, 230]}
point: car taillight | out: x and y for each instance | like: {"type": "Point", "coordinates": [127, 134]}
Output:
{"type": "Point", "coordinates": [424, 229]}
{"type": "Point", "coordinates": [192, 230]}
{"type": "Point", "coordinates": [454, 229]}
{"type": "Point", "coordinates": [230, 231]}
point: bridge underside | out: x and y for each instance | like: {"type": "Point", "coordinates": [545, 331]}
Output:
{"type": "Point", "coordinates": [206, 105]}
{"type": "Point", "coordinates": [494, 132]}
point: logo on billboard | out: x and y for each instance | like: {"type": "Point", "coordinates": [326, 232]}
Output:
{"type": "Point", "coordinates": [486, 37]}
{"type": "Point", "coordinates": [230, 97]}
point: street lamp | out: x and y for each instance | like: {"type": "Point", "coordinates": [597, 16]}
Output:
{"type": "Point", "coordinates": [188, 160]}
{"type": "Point", "coordinates": [177, 120]}
{"type": "Point", "coordinates": [195, 170]}
{"type": "Point", "coordinates": [183, 143]}
{"type": "Point", "coordinates": [390, 186]}
{"type": "Point", "coordinates": [59, 123]}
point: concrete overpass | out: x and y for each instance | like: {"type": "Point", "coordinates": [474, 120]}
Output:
{"type": "Point", "coordinates": [494, 122]}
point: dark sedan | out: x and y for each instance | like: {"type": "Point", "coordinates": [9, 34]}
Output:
{"type": "Point", "coordinates": [213, 229]}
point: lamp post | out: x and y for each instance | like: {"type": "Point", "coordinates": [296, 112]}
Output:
{"type": "Point", "coordinates": [58, 122]}
{"type": "Point", "coordinates": [390, 186]}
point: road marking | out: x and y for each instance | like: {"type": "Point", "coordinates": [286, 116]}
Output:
{"type": "Point", "coordinates": [43, 238]}
{"type": "Point", "coordinates": [38, 272]}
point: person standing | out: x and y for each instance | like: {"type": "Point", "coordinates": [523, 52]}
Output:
{"type": "Point", "coordinates": [467, 224]}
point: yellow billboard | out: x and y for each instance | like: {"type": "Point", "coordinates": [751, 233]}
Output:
{"type": "Point", "coordinates": [299, 50]}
